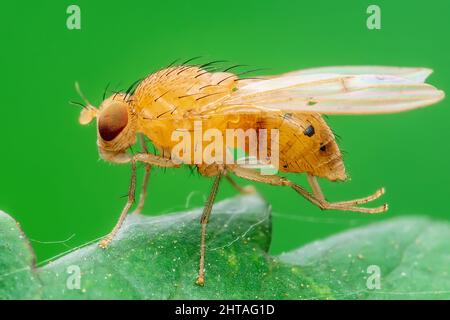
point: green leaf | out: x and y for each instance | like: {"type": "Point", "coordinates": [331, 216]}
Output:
{"type": "Point", "coordinates": [17, 277]}
{"type": "Point", "coordinates": [412, 255]}
{"type": "Point", "coordinates": [157, 258]}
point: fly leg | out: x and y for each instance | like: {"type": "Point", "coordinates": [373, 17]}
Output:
{"type": "Point", "coordinates": [240, 189]}
{"type": "Point", "coordinates": [204, 221]}
{"type": "Point", "coordinates": [143, 193]}
{"type": "Point", "coordinates": [148, 168]}
{"type": "Point", "coordinates": [155, 160]}
{"type": "Point", "coordinates": [147, 158]}
{"type": "Point", "coordinates": [316, 198]}
{"type": "Point", "coordinates": [317, 191]}
{"type": "Point", "coordinates": [131, 190]}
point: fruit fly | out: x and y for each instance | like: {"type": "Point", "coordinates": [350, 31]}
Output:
{"type": "Point", "coordinates": [175, 97]}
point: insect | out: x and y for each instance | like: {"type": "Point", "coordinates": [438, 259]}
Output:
{"type": "Point", "coordinates": [176, 97]}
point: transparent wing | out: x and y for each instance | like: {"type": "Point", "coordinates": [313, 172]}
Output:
{"type": "Point", "coordinates": [341, 93]}
{"type": "Point", "coordinates": [414, 74]}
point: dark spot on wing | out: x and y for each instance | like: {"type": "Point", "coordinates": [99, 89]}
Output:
{"type": "Point", "coordinates": [323, 147]}
{"type": "Point", "coordinates": [309, 131]}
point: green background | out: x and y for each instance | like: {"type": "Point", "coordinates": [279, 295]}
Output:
{"type": "Point", "coordinates": [51, 178]}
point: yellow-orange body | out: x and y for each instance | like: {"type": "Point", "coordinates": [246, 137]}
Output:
{"type": "Point", "coordinates": [174, 98]}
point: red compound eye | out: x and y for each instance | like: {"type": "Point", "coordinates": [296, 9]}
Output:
{"type": "Point", "coordinates": [112, 121]}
